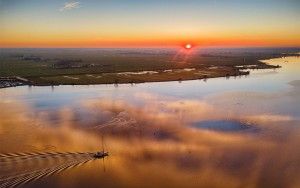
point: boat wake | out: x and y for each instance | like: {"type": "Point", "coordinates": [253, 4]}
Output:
{"type": "Point", "coordinates": [17, 169]}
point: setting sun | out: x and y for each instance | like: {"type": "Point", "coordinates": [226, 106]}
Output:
{"type": "Point", "coordinates": [188, 46]}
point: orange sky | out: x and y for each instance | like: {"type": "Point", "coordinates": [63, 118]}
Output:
{"type": "Point", "coordinates": [147, 42]}
{"type": "Point", "coordinates": [149, 24]}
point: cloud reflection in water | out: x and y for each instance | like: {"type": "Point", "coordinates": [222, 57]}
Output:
{"type": "Point", "coordinates": [153, 143]}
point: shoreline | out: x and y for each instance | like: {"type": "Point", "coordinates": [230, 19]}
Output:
{"type": "Point", "coordinates": [185, 73]}
{"type": "Point", "coordinates": [218, 72]}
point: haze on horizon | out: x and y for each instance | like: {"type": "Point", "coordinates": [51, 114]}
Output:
{"type": "Point", "coordinates": [164, 23]}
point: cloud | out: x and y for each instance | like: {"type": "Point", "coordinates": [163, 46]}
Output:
{"type": "Point", "coordinates": [70, 5]}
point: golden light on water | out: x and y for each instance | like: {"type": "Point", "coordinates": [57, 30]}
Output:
{"type": "Point", "coordinates": [161, 132]}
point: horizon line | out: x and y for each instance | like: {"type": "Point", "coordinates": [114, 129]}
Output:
{"type": "Point", "coordinates": [147, 47]}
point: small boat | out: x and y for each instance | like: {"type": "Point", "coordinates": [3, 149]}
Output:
{"type": "Point", "coordinates": [100, 154]}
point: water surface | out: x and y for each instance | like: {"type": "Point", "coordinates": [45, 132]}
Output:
{"type": "Point", "coordinates": [236, 132]}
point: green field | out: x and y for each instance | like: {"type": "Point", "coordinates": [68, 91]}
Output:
{"type": "Point", "coordinates": [100, 66]}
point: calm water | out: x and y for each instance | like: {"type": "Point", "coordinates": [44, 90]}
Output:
{"type": "Point", "coordinates": [236, 132]}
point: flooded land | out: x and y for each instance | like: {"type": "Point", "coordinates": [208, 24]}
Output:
{"type": "Point", "coordinates": [234, 131]}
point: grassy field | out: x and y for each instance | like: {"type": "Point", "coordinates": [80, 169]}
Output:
{"type": "Point", "coordinates": [102, 66]}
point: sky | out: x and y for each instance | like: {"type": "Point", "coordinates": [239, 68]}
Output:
{"type": "Point", "coordinates": [141, 23]}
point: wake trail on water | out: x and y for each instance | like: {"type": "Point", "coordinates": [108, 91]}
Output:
{"type": "Point", "coordinates": [17, 169]}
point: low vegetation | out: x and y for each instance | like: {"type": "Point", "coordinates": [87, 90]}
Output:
{"type": "Point", "coordinates": [108, 66]}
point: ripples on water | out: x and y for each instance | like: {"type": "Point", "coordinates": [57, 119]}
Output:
{"type": "Point", "coordinates": [189, 134]}
{"type": "Point", "coordinates": [21, 168]}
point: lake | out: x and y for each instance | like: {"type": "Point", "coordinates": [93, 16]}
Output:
{"type": "Point", "coordinates": [230, 132]}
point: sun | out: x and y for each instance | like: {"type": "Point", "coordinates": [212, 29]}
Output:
{"type": "Point", "coordinates": [188, 46]}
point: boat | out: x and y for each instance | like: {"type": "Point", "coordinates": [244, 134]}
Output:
{"type": "Point", "coordinates": [100, 154]}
